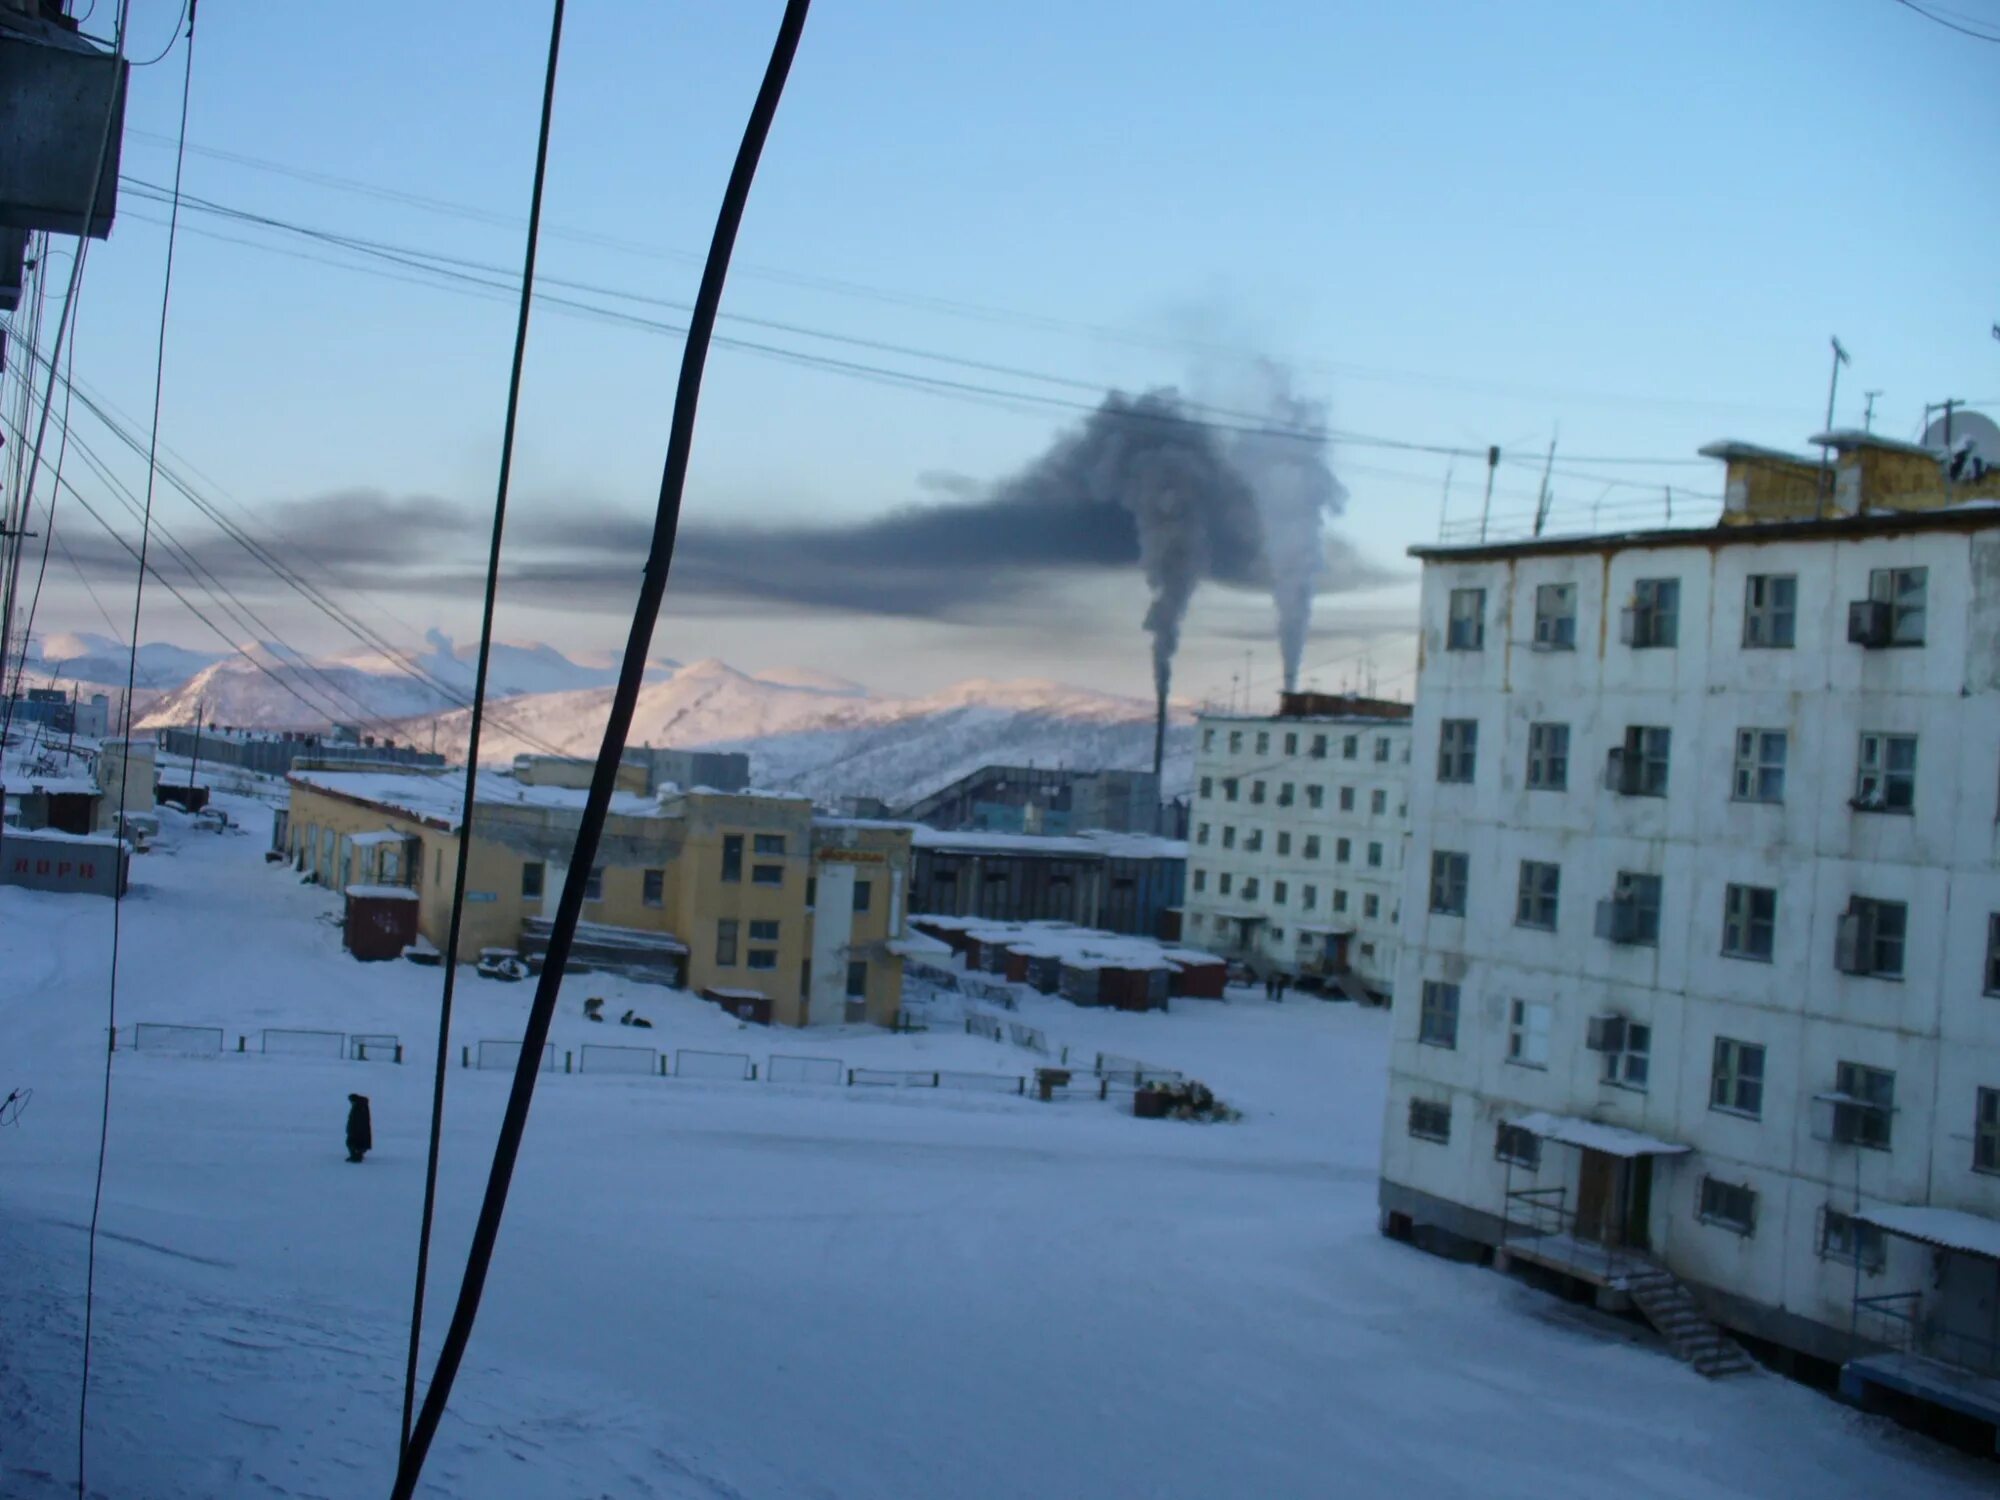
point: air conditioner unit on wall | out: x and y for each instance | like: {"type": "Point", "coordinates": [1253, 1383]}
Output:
{"type": "Point", "coordinates": [1618, 919]}
{"type": "Point", "coordinates": [1854, 941]}
{"type": "Point", "coordinates": [1605, 1034]}
{"type": "Point", "coordinates": [1869, 623]}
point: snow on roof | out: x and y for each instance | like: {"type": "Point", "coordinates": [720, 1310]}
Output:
{"type": "Point", "coordinates": [57, 836]}
{"type": "Point", "coordinates": [731, 994]}
{"type": "Point", "coordinates": [1729, 448]}
{"type": "Point", "coordinates": [1947, 1228]}
{"type": "Point", "coordinates": [1592, 1135]}
{"type": "Point", "coordinates": [1853, 437]}
{"type": "Point", "coordinates": [919, 945]}
{"type": "Point", "coordinates": [18, 782]}
{"type": "Point", "coordinates": [1095, 842]}
{"type": "Point", "coordinates": [436, 796]}
{"type": "Point", "coordinates": [382, 892]}
{"type": "Point", "coordinates": [379, 836]}
{"type": "Point", "coordinates": [1079, 947]}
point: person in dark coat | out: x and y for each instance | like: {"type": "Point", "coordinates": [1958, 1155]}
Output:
{"type": "Point", "coordinates": [360, 1135]}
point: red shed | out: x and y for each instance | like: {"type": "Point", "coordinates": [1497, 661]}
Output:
{"type": "Point", "coordinates": [381, 920]}
{"type": "Point", "coordinates": [1199, 976]}
{"type": "Point", "coordinates": [1132, 988]}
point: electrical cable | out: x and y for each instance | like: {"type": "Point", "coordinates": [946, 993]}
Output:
{"type": "Point", "coordinates": [125, 778]}
{"type": "Point", "coordinates": [1933, 16]}
{"type": "Point", "coordinates": [476, 722]}
{"type": "Point", "coordinates": [659, 562]}
{"type": "Point", "coordinates": [48, 538]}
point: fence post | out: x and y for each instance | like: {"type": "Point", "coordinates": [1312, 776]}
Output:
{"type": "Point", "coordinates": [399, 1052]}
{"type": "Point", "coordinates": [753, 1072]}
{"type": "Point", "coordinates": [850, 1078]}
{"type": "Point", "coordinates": [465, 1057]}
{"type": "Point", "coordinates": [567, 1057]}
{"type": "Point", "coordinates": [935, 1081]}
{"type": "Point", "coordinates": [663, 1065]}
{"type": "Point", "coordinates": [240, 1040]}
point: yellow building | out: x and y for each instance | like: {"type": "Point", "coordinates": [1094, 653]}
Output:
{"type": "Point", "coordinates": [763, 894]}
{"type": "Point", "coordinates": [1862, 472]}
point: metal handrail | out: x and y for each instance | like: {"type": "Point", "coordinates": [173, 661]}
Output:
{"type": "Point", "coordinates": [1905, 1333]}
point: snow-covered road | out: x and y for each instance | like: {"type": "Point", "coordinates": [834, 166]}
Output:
{"type": "Point", "coordinates": [715, 1290]}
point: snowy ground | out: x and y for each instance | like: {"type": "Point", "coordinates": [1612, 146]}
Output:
{"type": "Point", "coordinates": [715, 1290]}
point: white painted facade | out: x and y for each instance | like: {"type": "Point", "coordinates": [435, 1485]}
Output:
{"type": "Point", "coordinates": [1936, 1027]}
{"type": "Point", "coordinates": [1297, 836]}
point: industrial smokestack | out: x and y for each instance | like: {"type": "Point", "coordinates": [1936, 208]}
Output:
{"type": "Point", "coordinates": [1159, 739]}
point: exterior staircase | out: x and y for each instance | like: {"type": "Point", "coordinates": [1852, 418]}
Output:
{"type": "Point", "coordinates": [1693, 1336]}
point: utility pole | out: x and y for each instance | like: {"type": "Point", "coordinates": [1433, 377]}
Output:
{"type": "Point", "coordinates": [1542, 500]}
{"type": "Point", "coordinates": [1492, 463]}
{"type": "Point", "coordinates": [1825, 450]}
{"type": "Point", "coordinates": [1948, 405]}
{"type": "Point", "coordinates": [1444, 504]}
{"type": "Point", "coordinates": [1868, 414]}
{"type": "Point", "coordinates": [200, 708]}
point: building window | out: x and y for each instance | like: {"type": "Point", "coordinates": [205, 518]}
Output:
{"type": "Point", "coordinates": [1993, 954]}
{"type": "Point", "coordinates": [1865, 1112]}
{"type": "Point", "coordinates": [1291, 744]}
{"type": "Point", "coordinates": [654, 892]}
{"type": "Point", "coordinates": [1382, 749]}
{"type": "Point", "coordinates": [1319, 747]}
{"type": "Point", "coordinates": [1375, 856]}
{"type": "Point", "coordinates": [1465, 627]}
{"type": "Point", "coordinates": [1315, 797]}
{"type": "Point", "coordinates": [1350, 746]}
{"type": "Point", "coordinates": [725, 943]}
{"type": "Point", "coordinates": [1378, 802]}
{"type": "Point", "coordinates": [1535, 901]}
{"type": "Point", "coordinates": [1528, 1033]}
{"type": "Point", "coordinates": [1339, 899]}
{"type": "Point", "coordinates": [1845, 1238]}
{"type": "Point", "coordinates": [1312, 846]}
{"type": "Point", "coordinates": [1430, 1120]}
{"type": "Point", "coordinates": [1437, 1021]}
{"type": "Point", "coordinates": [768, 875]}
{"type": "Point", "coordinates": [1200, 879]}
{"type": "Point", "coordinates": [1284, 841]}
{"type": "Point", "coordinates": [1449, 872]}
{"type": "Point", "coordinates": [857, 979]}
{"type": "Point", "coordinates": [1235, 742]}
{"type": "Point", "coordinates": [1253, 840]}
{"type": "Point", "coordinates": [1371, 907]}
{"type": "Point", "coordinates": [1869, 938]}
{"type": "Point", "coordinates": [763, 932]}
{"type": "Point", "coordinates": [1737, 1082]}
{"type": "Point", "coordinates": [1201, 834]}
{"type": "Point", "coordinates": [1548, 757]}
{"type": "Point", "coordinates": [732, 857]}
{"type": "Point", "coordinates": [1207, 788]}
{"type": "Point", "coordinates": [1986, 1132]}
{"type": "Point", "coordinates": [1904, 590]}
{"type": "Point", "coordinates": [864, 895]}
{"type": "Point", "coordinates": [1653, 618]}
{"type": "Point", "coordinates": [1229, 835]}
{"type": "Point", "coordinates": [1278, 890]}
{"type": "Point", "coordinates": [1638, 768]}
{"type": "Point", "coordinates": [1885, 780]}
{"type": "Point", "coordinates": [1347, 799]}
{"type": "Point", "coordinates": [1308, 897]}
{"type": "Point", "coordinates": [1222, 882]}
{"type": "Point", "coordinates": [1770, 609]}
{"type": "Point", "coordinates": [761, 958]}
{"type": "Point", "coordinates": [1632, 914]}
{"type": "Point", "coordinates": [1249, 887]}
{"type": "Point", "coordinates": [1263, 742]}
{"type": "Point", "coordinates": [1749, 921]}
{"type": "Point", "coordinates": [1555, 617]}
{"type": "Point", "coordinates": [1342, 850]}
{"type": "Point", "coordinates": [1628, 1064]}
{"type": "Point", "coordinates": [533, 874]}
{"type": "Point", "coordinates": [1284, 794]}
{"type": "Point", "coordinates": [593, 888]}
{"type": "Point", "coordinates": [1257, 791]}
{"type": "Point", "coordinates": [770, 843]}
{"type": "Point", "coordinates": [1518, 1147]}
{"type": "Point", "coordinates": [1229, 789]}
{"type": "Point", "coordinates": [1207, 742]}
{"type": "Point", "coordinates": [1732, 1205]}
{"type": "Point", "coordinates": [1458, 749]}
{"type": "Point", "coordinates": [1760, 766]}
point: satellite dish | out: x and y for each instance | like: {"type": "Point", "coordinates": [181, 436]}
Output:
{"type": "Point", "coordinates": [1974, 441]}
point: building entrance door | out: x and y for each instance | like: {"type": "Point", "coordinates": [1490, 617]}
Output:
{"type": "Point", "coordinates": [1599, 1187]}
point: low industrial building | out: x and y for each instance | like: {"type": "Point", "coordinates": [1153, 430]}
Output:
{"type": "Point", "coordinates": [274, 752]}
{"type": "Point", "coordinates": [1083, 965]}
{"type": "Point", "coordinates": [643, 768]}
{"type": "Point", "coordinates": [1121, 882]}
{"type": "Point", "coordinates": [63, 713]}
{"type": "Point", "coordinates": [1041, 799]}
{"type": "Point", "coordinates": [710, 890]}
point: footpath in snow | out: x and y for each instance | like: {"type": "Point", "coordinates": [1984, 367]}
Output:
{"type": "Point", "coordinates": [721, 1289]}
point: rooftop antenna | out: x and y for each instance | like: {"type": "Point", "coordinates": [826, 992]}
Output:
{"type": "Point", "coordinates": [1542, 500]}
{"type": "Point", "coordinates": [1486, 510]}
{"type": "Point", "coordinates": [1444, 504]}
{"type": "Point", "coordinates": [1868, 414]}
{"type": "Point", "coordinates": [1826, 449]}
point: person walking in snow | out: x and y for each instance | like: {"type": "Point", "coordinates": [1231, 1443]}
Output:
{"type": "Point", "coordinates": [360, 1134]}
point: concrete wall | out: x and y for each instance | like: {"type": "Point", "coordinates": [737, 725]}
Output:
{"type": "Point", "coordinates": [113, 774]}
{"type": "Point", "coordinates": [1935, 1027]}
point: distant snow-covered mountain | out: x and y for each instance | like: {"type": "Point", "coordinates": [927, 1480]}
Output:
{"type": "Point", "coordinates": [826, 740]}
{"type": "Point", "coordinates": [80, 656]}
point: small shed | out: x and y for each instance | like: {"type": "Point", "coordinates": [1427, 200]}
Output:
{"type": "Point", "coordinates": [1199, 976]}
{"type": "Point", "coordinates": [1133, 986]}
{"type": "Point", "coordinates": [381, 920]}
{"type": "Point", "coordinates": [753, 1006]}
{"type": "Point", "coordinates": [1040, 967]}
{"type": "Point", "coordinates": [1079, 979]}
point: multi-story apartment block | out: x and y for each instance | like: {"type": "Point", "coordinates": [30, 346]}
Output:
{"type": "Point", "coordinates": [1295, 853]}
{"type": "Point", "coordinates": [1700, 971]}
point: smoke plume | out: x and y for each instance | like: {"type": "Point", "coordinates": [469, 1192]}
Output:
{"type": "Point", "coordinates": [1285, 466]}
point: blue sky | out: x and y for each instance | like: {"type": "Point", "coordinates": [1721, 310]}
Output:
{"type": "Point", "coordinates": [1459, 223]}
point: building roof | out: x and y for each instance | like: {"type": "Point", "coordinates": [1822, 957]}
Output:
{"type": "Point", "coordinates": [1079, 947]}
{"type": "Point", "coordinates": [1094, 844]}
{"type": "Point", "coordinates": [1947, 1228]}
{"type": "Point", "coordinates": [1730, 448]}
{"type": "Point", "coordinates": [1593, 1135]}
{"type": "Point", "coordinates": [1844, 439]}
{"type": "Point", "coordinates": [1972, 516]}
{"type": "Point", "coordinates": [435, 798]}
{"type": "Point", "coordinates": [1399, 720]}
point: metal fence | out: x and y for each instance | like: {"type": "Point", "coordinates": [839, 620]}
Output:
{"type": "Point", "coordinates": [155, 1036]}
{"type": "Point", "coordinates": [595, 1057]}
{"type": "Point", "coordinates": [998, 991]}
{"type": "Point", "coordinates": [890, 1078]}
{"type": "Point", "coordinates": [991, 1083]}
{"type": "Point", "coordinates": [787, 1069]}
{"type": "Point", "coordinates": [379, 1046]}
{"type": "Point", "coordinates": [292, 1042]}
{"type": "Point", "coordinates": [1031, 1037]}
{"type": "Point", "coordinates": [979, 1024]}
{"type": "Point", "coordinates": [730, 1067]}
{"type": "Point", "coordinates": [507, 1055]}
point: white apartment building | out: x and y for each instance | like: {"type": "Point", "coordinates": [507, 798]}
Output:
{"type": "Point", "coordinates": [1296, 836]}
{"type": "Point", "coordinates": [1700, 972]}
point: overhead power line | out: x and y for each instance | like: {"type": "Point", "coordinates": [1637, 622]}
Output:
{"type": "Point", "coordinates": [1949, 25]}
